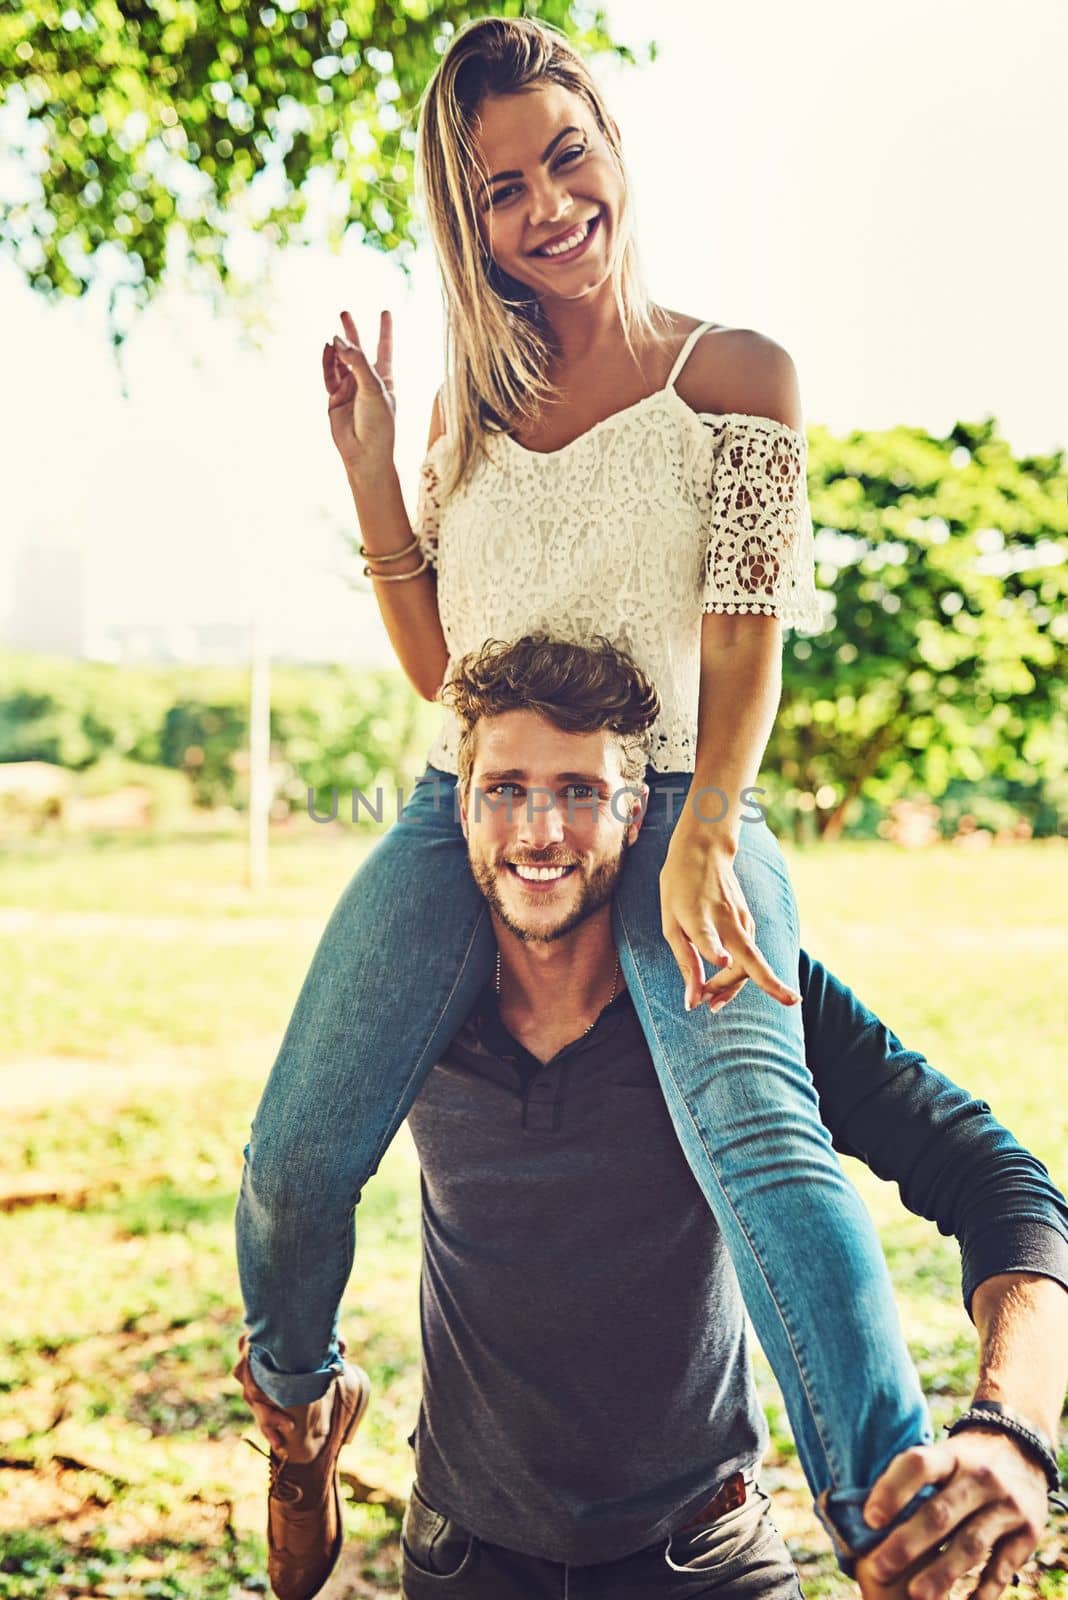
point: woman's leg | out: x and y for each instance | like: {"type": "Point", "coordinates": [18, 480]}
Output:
{"type": "Point", "coordinates": [742, 1099]}
{"type": "Point", "coordinates": [399, 966]}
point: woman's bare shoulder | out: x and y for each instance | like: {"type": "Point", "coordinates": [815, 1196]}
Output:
{"type": "Point", "coordinates": [741, 370]}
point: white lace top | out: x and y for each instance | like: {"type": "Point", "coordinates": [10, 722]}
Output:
{"type": "Point", "coordinates": [647, 520]}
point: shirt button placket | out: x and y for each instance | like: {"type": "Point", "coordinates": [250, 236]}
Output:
{"type": "Point", "coordinates": [540, 1111]}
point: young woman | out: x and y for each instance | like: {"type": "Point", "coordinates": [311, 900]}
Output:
{"type": "Point", "coordinates": [596, 465]}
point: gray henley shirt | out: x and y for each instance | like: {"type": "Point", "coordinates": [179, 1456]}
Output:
{"type": "Point", "coordinates": [586, 1376]}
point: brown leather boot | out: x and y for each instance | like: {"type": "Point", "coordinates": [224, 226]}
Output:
{"type": "Point", "coordinates": [304, 1527]}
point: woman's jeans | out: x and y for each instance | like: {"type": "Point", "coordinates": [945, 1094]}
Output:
{"type": "Point", "coordinates": [402, 961]}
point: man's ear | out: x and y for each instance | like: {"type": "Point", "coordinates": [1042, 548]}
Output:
{"type": "Point", "coordinates": [463, 816]}
{"type": "Point", "coordinates": [639, 805]}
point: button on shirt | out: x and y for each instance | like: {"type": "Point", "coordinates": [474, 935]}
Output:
{"type": "Point", "coordinates": [586, 1381]}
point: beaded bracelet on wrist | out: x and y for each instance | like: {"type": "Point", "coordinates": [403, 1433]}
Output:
{"type": "Point", "coordinates": [992, 1414]}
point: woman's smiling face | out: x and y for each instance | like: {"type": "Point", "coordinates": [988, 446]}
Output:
{"type": "Point", "coordinates": [549, 179]}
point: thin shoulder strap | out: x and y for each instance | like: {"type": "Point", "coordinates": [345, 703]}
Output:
{"type": "Point", "coordinates": [684, 354]}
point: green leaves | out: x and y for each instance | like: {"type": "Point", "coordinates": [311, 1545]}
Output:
{"type": "Point", "coordinates": [946, 559]}
{"type": "Point", "coordinates": [155, 119]}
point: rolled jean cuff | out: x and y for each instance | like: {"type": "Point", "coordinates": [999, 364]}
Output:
{"type": "Point", "coordinates": [292, 1388]}
{"type": "Point", "coordinates": [842, 1513]}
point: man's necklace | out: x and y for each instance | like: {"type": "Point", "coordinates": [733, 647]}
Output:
{"type": "Point", "coordinates": [608, 1002]}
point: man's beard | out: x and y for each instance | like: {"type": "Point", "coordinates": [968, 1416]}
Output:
{"type": "Point", "coordinates": [597, 888]}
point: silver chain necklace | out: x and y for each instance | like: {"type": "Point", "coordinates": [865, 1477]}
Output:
{"type": "Point", "coordinates": [608, 1002]}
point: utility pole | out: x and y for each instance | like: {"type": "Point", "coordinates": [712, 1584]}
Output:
{"type": "Point", "coordinates": [259, 727]}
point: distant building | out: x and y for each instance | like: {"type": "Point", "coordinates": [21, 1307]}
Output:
{"type": "Point", "coordinates": [322, 622]}
{"type": "Point", "coordinates": [221, 644]}
{"type": "Point", "coordinates": [49, 611]}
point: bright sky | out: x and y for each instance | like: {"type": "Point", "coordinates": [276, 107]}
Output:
{"type": "Point", "coordinates": [879, 188]}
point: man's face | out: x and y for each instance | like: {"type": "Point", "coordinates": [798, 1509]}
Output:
{"type": "Point", "coordinates": [540, 797]}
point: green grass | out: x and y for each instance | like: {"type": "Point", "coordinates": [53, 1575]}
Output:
{"type": "Point", "coordinates": [148, 992]}
{"type": "Point", "coordinates": [182, 875]}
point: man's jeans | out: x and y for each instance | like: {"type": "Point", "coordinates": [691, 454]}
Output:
{"type": "Point", "coordinates": [740, 1556]}
{"type": "Point", "coordinates": [400, 964]}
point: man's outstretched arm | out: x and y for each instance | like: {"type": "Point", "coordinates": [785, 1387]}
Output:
{"type": "Point", "coordinates": [953, 1161]}
{"type": "Point", "coordinates": [958, 1166]}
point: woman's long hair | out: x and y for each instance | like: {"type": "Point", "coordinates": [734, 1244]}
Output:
{"type": "Point", "coordinates": [498, 343]}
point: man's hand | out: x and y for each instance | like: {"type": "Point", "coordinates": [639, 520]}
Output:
{"type": "Point", "coordinates": [989, 1513]}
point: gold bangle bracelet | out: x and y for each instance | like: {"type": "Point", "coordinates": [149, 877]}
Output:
{"type": "Point", "coordinates": [396, 555]}
{"type": "Point", "coordinates": [396, 577]}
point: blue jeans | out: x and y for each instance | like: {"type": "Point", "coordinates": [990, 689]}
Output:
{"type": "Point", "coordinates": [402, 961]}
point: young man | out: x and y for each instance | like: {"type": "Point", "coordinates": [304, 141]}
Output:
{"type": "Point", "coordinates": [589, 1424]}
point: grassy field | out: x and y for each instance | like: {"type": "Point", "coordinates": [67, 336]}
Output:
{"type": "Point", "coordinates": [146, 993]}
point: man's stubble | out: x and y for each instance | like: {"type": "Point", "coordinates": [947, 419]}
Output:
{"type": "Point", "coordinates": [597, 889]}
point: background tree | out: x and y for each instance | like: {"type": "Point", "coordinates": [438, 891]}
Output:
{"type": "Point", "coordinates": [152, 125]}
{"type": "Point", "coordinates": [944, 562]}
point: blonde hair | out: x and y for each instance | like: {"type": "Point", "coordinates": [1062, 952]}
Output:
{"type": "Point", "coordinates": [581, 688]}
{"type": "Point", "coordinates": [498, 344]}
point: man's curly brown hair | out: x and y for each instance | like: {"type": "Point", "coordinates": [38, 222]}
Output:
{"type": "Point", "coordinates": [579, 687]}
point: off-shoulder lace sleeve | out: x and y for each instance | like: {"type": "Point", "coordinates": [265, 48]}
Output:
{"type": "Point", "coordinates": [428, 505]}
{"type": "Point", "coordinates": [759, 555]}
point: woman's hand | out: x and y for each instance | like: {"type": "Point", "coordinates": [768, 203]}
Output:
{"type": "Point", "coordinates": [361, 405]}
{"type": "Point", "coordinates": [703, 913]}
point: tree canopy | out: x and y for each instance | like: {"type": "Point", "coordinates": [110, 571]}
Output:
{"type": "Point", "coordinates": [151, 125]}
{"type": "Point", "coordinates": [945, 566]}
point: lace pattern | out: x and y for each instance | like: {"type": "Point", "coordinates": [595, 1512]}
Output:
{"type": "Point", "coordinates": [427, 518]}
{"type": "Point", "coordinates": [648, 520]}
{"type": "Point", "coordinates": [754, 498]}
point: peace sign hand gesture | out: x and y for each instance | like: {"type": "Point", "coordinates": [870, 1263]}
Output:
{"type": "Point", "coordinates": [361, 406]}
